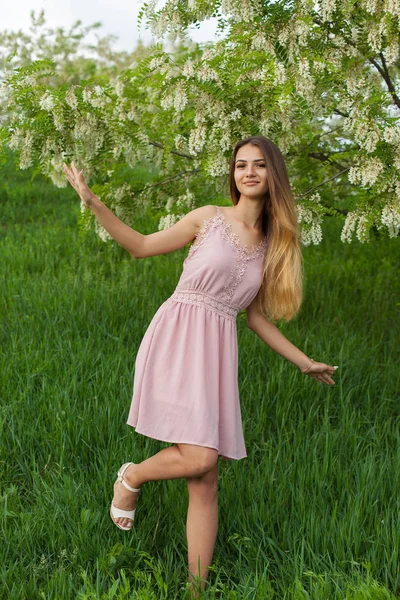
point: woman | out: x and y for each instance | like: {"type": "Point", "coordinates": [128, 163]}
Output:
{"type": "Point", "coordinates": [185, 385]}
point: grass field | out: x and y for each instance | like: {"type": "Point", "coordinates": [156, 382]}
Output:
{"type": "Point", "coordinates": [312, 513]}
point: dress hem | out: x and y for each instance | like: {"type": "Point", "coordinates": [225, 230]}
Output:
{"type": "Point", "coordinates": [174, 441]}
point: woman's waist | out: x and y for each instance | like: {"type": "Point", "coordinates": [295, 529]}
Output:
{"type": "Point", "coordinates": [215, 302]}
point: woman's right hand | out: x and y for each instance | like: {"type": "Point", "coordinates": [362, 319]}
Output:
{"type": "Point", "coordinates": [320, 371]}
{"type": "Point", "coordinates": [79, 184]}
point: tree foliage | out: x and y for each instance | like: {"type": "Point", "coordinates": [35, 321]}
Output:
{"type": "Point", "coordinates": [321, 81]}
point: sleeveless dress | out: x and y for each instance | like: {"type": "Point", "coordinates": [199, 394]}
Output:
{"type": "Point", "coordinates": [185, 387]}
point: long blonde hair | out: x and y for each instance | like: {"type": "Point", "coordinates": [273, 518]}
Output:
{"type": "Point", "coordinates": [281, 293]}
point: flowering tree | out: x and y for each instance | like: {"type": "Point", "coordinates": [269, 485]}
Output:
{"type": "Point", "coordinates": [321, 81]}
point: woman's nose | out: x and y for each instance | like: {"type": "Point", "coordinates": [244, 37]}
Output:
{"type": "Point", "coordinates": [250, 171]}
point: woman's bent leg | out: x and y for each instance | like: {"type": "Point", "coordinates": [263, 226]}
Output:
{"type": "Point", "coordinates": [201, 526]}
{"type": "Point", "coordinates": [175, 462]}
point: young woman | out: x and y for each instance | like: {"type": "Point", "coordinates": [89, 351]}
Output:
{"type": "Point", "coordinates": [246, 256]}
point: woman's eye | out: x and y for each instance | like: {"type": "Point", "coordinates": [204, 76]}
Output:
{"type": "Point", "coordinates": [241, 166]}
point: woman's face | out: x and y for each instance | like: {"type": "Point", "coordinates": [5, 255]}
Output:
{"type": "Point", "coordinates": [250, 168]}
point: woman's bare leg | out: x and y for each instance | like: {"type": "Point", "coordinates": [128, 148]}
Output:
{"type": "Point", "coordinates": [175, 462]}
{"type": "Point", "coordinates": [201, 527]}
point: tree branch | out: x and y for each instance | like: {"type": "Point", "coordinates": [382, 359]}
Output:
{"type": "Point", "coordinates": [166, 180]}
{"type": "Point", "coordinates": [382, 71]}
{"type": "Point", "coordinates": [158, 145]}
{"type": "Point", "coordinates": [388, 80]}
{"type": "Point", "coordinates": [323, 183]}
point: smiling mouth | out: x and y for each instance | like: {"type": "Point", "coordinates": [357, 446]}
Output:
{"type": "Point", "coordinates": [251, 183]}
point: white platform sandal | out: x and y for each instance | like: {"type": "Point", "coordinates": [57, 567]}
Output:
{"type": "Point", "coordinates": [117, 513]}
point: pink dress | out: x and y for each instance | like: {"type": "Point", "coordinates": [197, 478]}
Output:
{"type": "Point", "coordinates": [185, 386]}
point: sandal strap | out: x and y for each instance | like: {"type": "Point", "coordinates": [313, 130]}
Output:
{"type": "Point", "coordinates": [128, 486]}
{"type": "Point", "coordinates": [121, 480]}
{"type": "Point", "coordinates": [125, 514]}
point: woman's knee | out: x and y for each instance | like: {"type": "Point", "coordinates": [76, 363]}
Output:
{"type": "Point", "coordinates": [203, 459]}
{"type": "Point", "coordinates": [204, 487]}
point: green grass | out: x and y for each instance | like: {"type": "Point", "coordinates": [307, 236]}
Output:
{"type": "Point", "coordinates": [312, 513]}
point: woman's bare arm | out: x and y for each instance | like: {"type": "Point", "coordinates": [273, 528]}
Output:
{"type": "Point", "coordinates": [161, 242]}
{"type": "Point", "coordinates": [136, 243]}
{"type": "Point", "coordinates": [270, 335]}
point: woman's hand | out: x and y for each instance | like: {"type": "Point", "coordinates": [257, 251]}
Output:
{"type": "Point", "coordinates": [79, 184]}
{"type": "Point", "coordinates": [320, 371]}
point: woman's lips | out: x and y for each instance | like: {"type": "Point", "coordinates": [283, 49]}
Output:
{"type": "Point", "coordinates": [251, 183]}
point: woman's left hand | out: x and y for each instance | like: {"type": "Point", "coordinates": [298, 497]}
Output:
{"type": "Point", "coordinates": [320, 371]}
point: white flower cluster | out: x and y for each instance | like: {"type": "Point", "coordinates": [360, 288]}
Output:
{"type": "Point", "coordinates": [368, 173]}
{"type": "Point", "coordinates": [58, 118]}
{"type": "Point", "coordinates": [57, 173]}
{"type": "Point", "coordinates": [367, 134]}
{"type": "Point", "coordinates": [235, 115]}
{"type": "Point", "coordinates": [170, 203]}
{"type": "Point", "coordinates": [188, 69]}
{"type": "Point", "coordinates": [391, 218]}
{"type": "Point", "coordinates": [167, 101]}
{"type": "Point", "coordinates": [158, 25]}
{"type": "Point", "coordinates": [311, 235]}
{"type": "Point", "coordinates": [122, 192]}
{"type": "Point", "coordinates": [90, 132]}
{"type": "Point", "coordinates": [396, 162]}
{"type": "Point", "coordinates": [355, 80]}
{"type": "Point", "coordinates": [168, 221]}
{"type": "Point", "coordinates": [391, 135]}
{"type": "Point", "coordinates": [393, 8]}
{"type": "Point", "coordinates": [71, 99]}
{"type": "Point", "coordinates": [311, 231]}
{"type": "Point", "coordinates": [197, 139]}
{"type": "Point", "coordinates": [376, 31]}
{"type": "Point", "coordinates": [47, 102]}
{"type": "Point", "coordinates": [156, 62]}
{"type": "Point", "coordinates": [280, 73]}
{"type": "Point", "coordinates": [187, 200]}
{"type": "Point", "coordinates": [370, 6]}
{"type": "Point", "coordinates": [241, 10]}
{"type": "Point", "coordinates": [265, 126]}
{"type": "Point", "coordinates": [4, 91]}
{"type": "Point", "coordinates": [392, 51]}
{"type": "Point", "coordinates": [16, 139]}
{"type": "Point", "coordinates": [180, 97]}
{"type": "Point", "coordinates": [206, 73]}
{"type": "Point", "coordinates": [25, 159]}
{"type": "Point", "coordinates": [132, 114]}
{"type": "Point", "coordinates": [96, 97]}
{"type": "Point", "coordinates": [350, 225]}
{"type": "Point", "coordinates": [259, 41]}
{"type": "Point", "coordinates": [304, 80]}
{"type": "Point", "coordinates": [217, 164]}
{"type": "Point", "coordinates": [29, 80]}
{"type": "Point", "coordinates": [302, 31]}
{"type": "Point", "coordinates": [180, 142]}
{"type": "Point", "coordinates": [102, 232]}
{"type": "Point", "coordinates": [327, 8]}
{"type": "Point", "coordinates": [119, 88]}
{"type": "Point", "coordinates": [362, 231]}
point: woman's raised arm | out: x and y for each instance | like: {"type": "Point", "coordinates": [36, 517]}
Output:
{"type": "Point", "coordinates": [137, 244]}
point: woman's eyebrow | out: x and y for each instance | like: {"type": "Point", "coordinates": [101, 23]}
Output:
{"type": "Point", "coordinates": [242, 160]}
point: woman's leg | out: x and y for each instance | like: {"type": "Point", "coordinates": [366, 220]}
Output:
{"type": "Point", "coordinates": [201, 526]}
{"type": "Point", "coordinates": [175, 462]}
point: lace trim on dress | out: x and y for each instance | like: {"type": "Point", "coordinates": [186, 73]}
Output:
{"type": "Point", "coordinates": [206, 300]}
{"type": "Point", "coordinates": [249, 251]}
{"type": "Point", "coordinates": [243, 255]}
{"type": "Point", "coordinates": [245, 251]}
